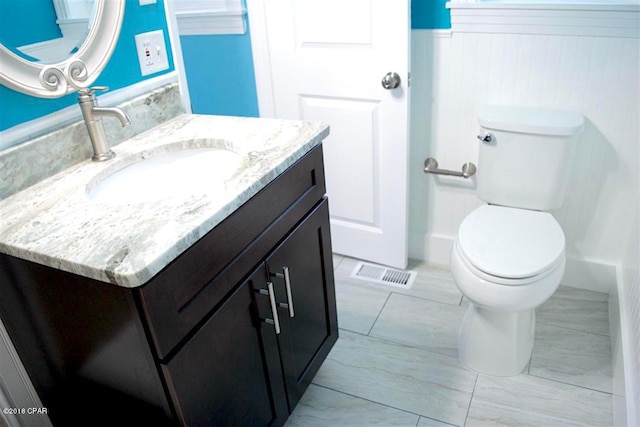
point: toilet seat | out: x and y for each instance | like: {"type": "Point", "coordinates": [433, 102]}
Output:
{"type": "Point", "coordinates": [497, 280]}
{"type": "Point", "coordinates": [509, 245]}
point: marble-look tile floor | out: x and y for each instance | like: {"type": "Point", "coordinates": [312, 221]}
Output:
{"type": "Point", "coordinates": [395, 363]}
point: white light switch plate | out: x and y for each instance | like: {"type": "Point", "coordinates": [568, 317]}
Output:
{"type": "Point", "coordinates": [152, 52]}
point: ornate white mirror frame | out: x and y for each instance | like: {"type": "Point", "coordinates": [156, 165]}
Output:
{"type": "Point", "coordinates": [76, 72]}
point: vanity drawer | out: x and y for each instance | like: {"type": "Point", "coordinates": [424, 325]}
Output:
{"type": "Point", "coordinates": [181, 295]}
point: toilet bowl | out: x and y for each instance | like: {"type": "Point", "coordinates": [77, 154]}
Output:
{"type": "Point", "coordinates": [508, 257]}
{"type": "Point", "coordinates": [506, 262]}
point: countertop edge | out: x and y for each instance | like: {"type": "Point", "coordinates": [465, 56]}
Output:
{"type": "Point", "coordinates": [113, 274]}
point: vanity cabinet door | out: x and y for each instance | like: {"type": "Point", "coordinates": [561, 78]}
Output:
{"type": "Point", "coordinates": [307, 336]}
{"type": "Point", "coordinates": [228, 373]}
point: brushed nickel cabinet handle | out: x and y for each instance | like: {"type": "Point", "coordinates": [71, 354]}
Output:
{"type": "Point", "coordinates": [287, 285]}
{"type": "Point", "coordinates": [274, 309]}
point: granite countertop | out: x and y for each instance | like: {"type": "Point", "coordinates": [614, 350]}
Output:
{"type": "Point", "coordinates": [55, 223]}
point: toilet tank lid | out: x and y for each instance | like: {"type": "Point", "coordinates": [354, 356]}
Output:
{"type": "Point", "coordinates": [531, 120]}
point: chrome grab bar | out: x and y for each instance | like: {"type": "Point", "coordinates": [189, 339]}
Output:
{"type": "Point", "coordinates": [431, 166]}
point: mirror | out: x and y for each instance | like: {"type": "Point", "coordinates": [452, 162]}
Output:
{"type": "Point", "coordinates": [57, 28]}
{"type": "Point", "coordinates": [89, 41]}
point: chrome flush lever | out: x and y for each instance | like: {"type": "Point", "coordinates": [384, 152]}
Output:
{"type": "Point", "coordinates": [487, 138]}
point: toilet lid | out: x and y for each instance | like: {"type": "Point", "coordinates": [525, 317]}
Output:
{"type": "Point", "coordinates": [509, 242]}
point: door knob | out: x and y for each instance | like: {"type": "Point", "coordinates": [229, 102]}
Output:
{"type": "Point", "coordinates": [391, 80]}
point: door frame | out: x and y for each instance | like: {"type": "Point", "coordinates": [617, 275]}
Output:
{"type": "Point", "coordinates": [16, 388]}
{"type": "Point", "coordinates": [261, 58]}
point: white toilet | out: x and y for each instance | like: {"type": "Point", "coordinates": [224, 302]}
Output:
{"type": "Point", "coordinates": [508, 257]}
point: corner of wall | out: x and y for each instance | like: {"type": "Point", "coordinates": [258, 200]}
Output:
{"type": "Point", "coordinates": [624, 319]}
{"type": "Point", "coordinates": [626, 383]}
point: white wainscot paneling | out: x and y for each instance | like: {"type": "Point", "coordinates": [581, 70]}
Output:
{"type": "Point", "coordinates": [455, 74]}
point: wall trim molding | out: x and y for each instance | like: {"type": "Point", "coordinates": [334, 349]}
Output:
{"type": "Point", "coordinates": [437, 32]}
{"type": "Point", "coordinates": [211, 22]}
{"type": "Point", "coordinates": [590, 275]}
{"type": "Point", "coordinates": [597, 20]}
{"type": "Point", "coordinates": [37, 127]}
{"type": "Point", "coordinates": [178, 58]}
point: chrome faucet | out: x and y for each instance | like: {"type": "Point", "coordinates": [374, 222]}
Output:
{"type": "Point", "coordinates": [92, 115]}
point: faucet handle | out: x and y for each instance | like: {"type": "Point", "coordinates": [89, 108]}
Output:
{"type": "Point", "coordinates": [90, 90]}
{"type": "Point", "coordinates": [87, 94]}
{"type": "Point", "coordinates": [99, 89]}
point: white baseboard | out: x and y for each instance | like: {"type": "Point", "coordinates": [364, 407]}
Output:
{"type": "Point", "coordinates": [617, 358]}
{"type": "Point", "coordinates": [626, 382]}
{"type": "Point", "coordinates": [579, 273]}
{"type": "Point", "coordinates": [433, 249]}
{"type": "Point", "coordinates": [589, 275]}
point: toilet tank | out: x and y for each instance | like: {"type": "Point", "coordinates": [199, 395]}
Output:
{"type": "Point", "coordinates": [528, 159]}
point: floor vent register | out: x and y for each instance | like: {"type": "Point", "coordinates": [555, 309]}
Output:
{"type": "Point", "coordinates": [384, 275]}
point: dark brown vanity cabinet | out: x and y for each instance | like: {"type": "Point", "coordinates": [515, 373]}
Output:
{"type": "Point", "coordinates": [222, 375]}
{"type": "Point", "coordinates": [306, 324]}
{"type": "Point", "coordinates": [251, 361]}
{"type": "Point", "coordinates": [230, 333]}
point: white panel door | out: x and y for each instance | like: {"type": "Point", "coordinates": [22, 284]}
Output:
{"type": "Point", "coordinates": [327, 60]}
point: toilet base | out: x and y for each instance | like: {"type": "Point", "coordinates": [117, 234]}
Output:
{"type": "Point", "coordinates": [496, 342]}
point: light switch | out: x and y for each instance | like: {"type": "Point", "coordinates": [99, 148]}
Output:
{"type": "Point", "coordinates": [152, 52]}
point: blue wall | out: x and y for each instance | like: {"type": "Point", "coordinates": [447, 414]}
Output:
{"type": "Point", "coordinates": [38, 16]}
{"type": "Point", "coordinates": [123, 68]}
{"type": "Point", "coordinates": [429, 14]}
{"type": "Point", "coordinates": [220, 74]}
{"type": "Point", "coordinates": [220, 68]}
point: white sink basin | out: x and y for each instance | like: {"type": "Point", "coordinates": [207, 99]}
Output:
{"type": "Point", "coordinates": [176, 173]}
